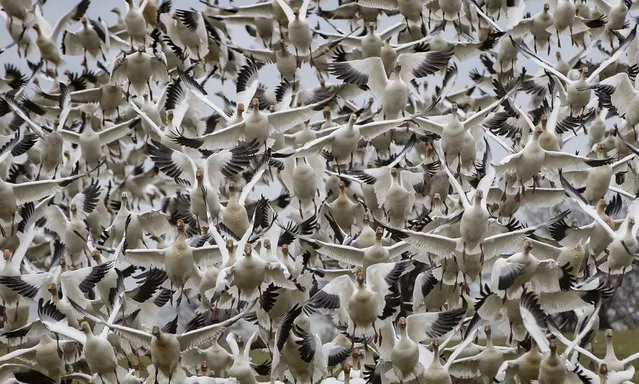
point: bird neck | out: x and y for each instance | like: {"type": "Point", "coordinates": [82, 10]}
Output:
{"type": "Point", "coordinates": [610, 349]}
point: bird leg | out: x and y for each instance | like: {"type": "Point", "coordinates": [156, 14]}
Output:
{"type": "Point", "coordinates": [15, 317]}
{"type": "Point", "coordinates": [85, 64]}
{"type": "Point", "coordinates": [148, 83]}
{"type": "Point", "coordinates": [4, 233]}
{"type": "Point", "coordinates": [58, 349]}
{"type": "Point", "coordinates": [572, 38]}
{"type": "Point", "coordinates": [464, 253]}
{"type": "Point", "coordinates": [376, 337]}
{"type": "Point", "coordinates": [179, 300]}
{"type": "Point", "coordinates": [548, 52]}
{"type": "Point", "coordinates": [481, 257]}
{"type": "Point", "coordinates": [535, 43]}
{"type": "Point", "coordinates": [156, 376]}
{"type": "Point", "coordinates": [353, 335]}
{"type": "Point", "coordinates": [4, 313]}
{"type": "Point", "coordinates": [101, 378]}
{"type": "Point", "coordinates": [171, 288]}
{"type": "Point", "coordinates": [558, 39]}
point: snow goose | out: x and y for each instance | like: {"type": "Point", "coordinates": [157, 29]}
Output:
{"type": "Point", "coordinates": [13, 194]}
{"type": "Point", "coordinates": [89, 39]}
{"type": "Point", "coordinates": [47, 36]}
{"type": "Point", "coordinates": [552, 367]}
{"type": "Point", "coordinates": [135, 23]}
{"type": "Point", "coordinates": [610, 360]}
{"type": "Point", "coordinates": [91, 142]}
{"type": "Point", "coordinates": [597, 179]}
{"type": "Point", "coordinates": [392, 92]}
{"type": "Point", "coordinates": [615, 13]}
{"type": "Point", "coordinates": [486, 363]}
{"type": "Point", "coordinates": [180, 261]}
{"type": "Point", "coordinates": [363, 301]}
{"type": "Point", "coordinates": [241, 368]}
{"type": "Point", "coordinates": [189, 31]}
{"type": "Point", "coordinates": [406, 353]}
{"type": "Point", "coordinates": [621, 250]}
{"type": "Point", "coordinates": [565, 17]}
{"type": "Point", "coordinates": [139, 68]}
{"type": "Point", "coordinates": [299, 32]}
{"type": "Point", "coordinates": [604, 375]}
{"type": "Point", "coordinates": [377, 253]}
{"type": "Point", "coordinates": [437, 373]}
{"type": "Point", "coordinates": [578, 91]}
{"type": "Point", "coordinates": [459, 138]}
{"type": "Point", "coordinates": [532, 158]}
{"type": "Point", "coordinates": [218, 360]}
{"type": "Point", "coordinates": [343, 139]}
{"type": "Point", "coordinates": [343, 208]}
{"type": "Point", "coordinates": [510, 274]}
{"type": "Point", "coordinates": [298, 350]}
{"type": "Point", "coordinates": [166, 348]}
{"type": "Point", "coordinates": [255, 125]}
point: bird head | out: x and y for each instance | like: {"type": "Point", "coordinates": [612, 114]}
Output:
{"type": "Point", "coordinates": [199, 175]}
{"type": "Point", "coordinates": [546, 7]}
{"type": "Point", "coordinates": [125, 196]}
{"type": "Point", "coordinates": [603, 369]}
{"type": "Point", "coordinates": [479, 194]}
{"type": "Point", "coordinates": [85, 327]}
{"type": "Point", "coordinates": [371, 27]}
{"type": "Point", "coordinates": [84, 20]}
{"type": "Point", "coordinates": [609, 333]}
{"type": "Point", "coordinates": [352, 118]}
{"type": "Point", "coordinates": [239, 340]}
{"type": "Point", "coordinates": [285, 250]}
{"type": "Point", "coordinates": [379, 232]}
{"type": "Point", "coordinates": [204, 366]}
{"type": "Point", "coordinates": [544, 121]}
{"type": "Point", "coordinates": [488, 330]}
{"type": "Point", "coordinates": [528, 245]}
{"type": "Point", "coordinates": [37, 29]}
{"type": "Point", "coordinates": [366, 219]}
{"type": "Point", "coordinates": [229, 245]}
{"type": "Point", "coordinates": [347, 369]}
{"type": "Point", "coordinates": [266, 243]}
{"type": "Point", "coordinates": [401, 323]}
{"type": "Point", "coordinates": [327, 112]}
{"type": "Point", "coordinates": [96, 256]}
{"type": "Point", "coordinates": [453, 108]}
{"type": "Point", "coordinates": [552, 343]}
{"type": "Point", "coordinates": [296, 11]}
{"type": "Point", "coordinates": [255, 103]}
{"type": "Point", "coordinates": [140, 48]}
{"type": "Point", "coordinates": [6, 254]}
{"type": "Point", "coordinates": [558, 55]}
{"type": "Point", "coordinates": [232, 187]}
{"type": "Point", "coordinates": [631, 222]}
{"type": "Point", "coordinates": [248, 249]}
{"type": "Point", "coordinates": [342, 185]}
{"type": "Point", "coordinates": [155, 331]}
{"type": "Point", "coordinates": [360, 277]}
{"type": "Point", "coordinates": [180, 225]}
{"type": "Point", "coordinates": [398, 68]}
{"type": "Point", "coordinates": [52, 289]}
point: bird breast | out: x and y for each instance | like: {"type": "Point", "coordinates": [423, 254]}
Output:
{"type": "Point", "coordinates": [371, 46]}
{"type": "Point", "coordinates": [362, 307]}
{"type": "Point", "coordinates": [304, 182]}
{"type": "Point", "coordinates": [405, 355]}
{"type": "Point", "coordinates": [165, 353]}
{"type": "Point", "coordinates": [552, 370]}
